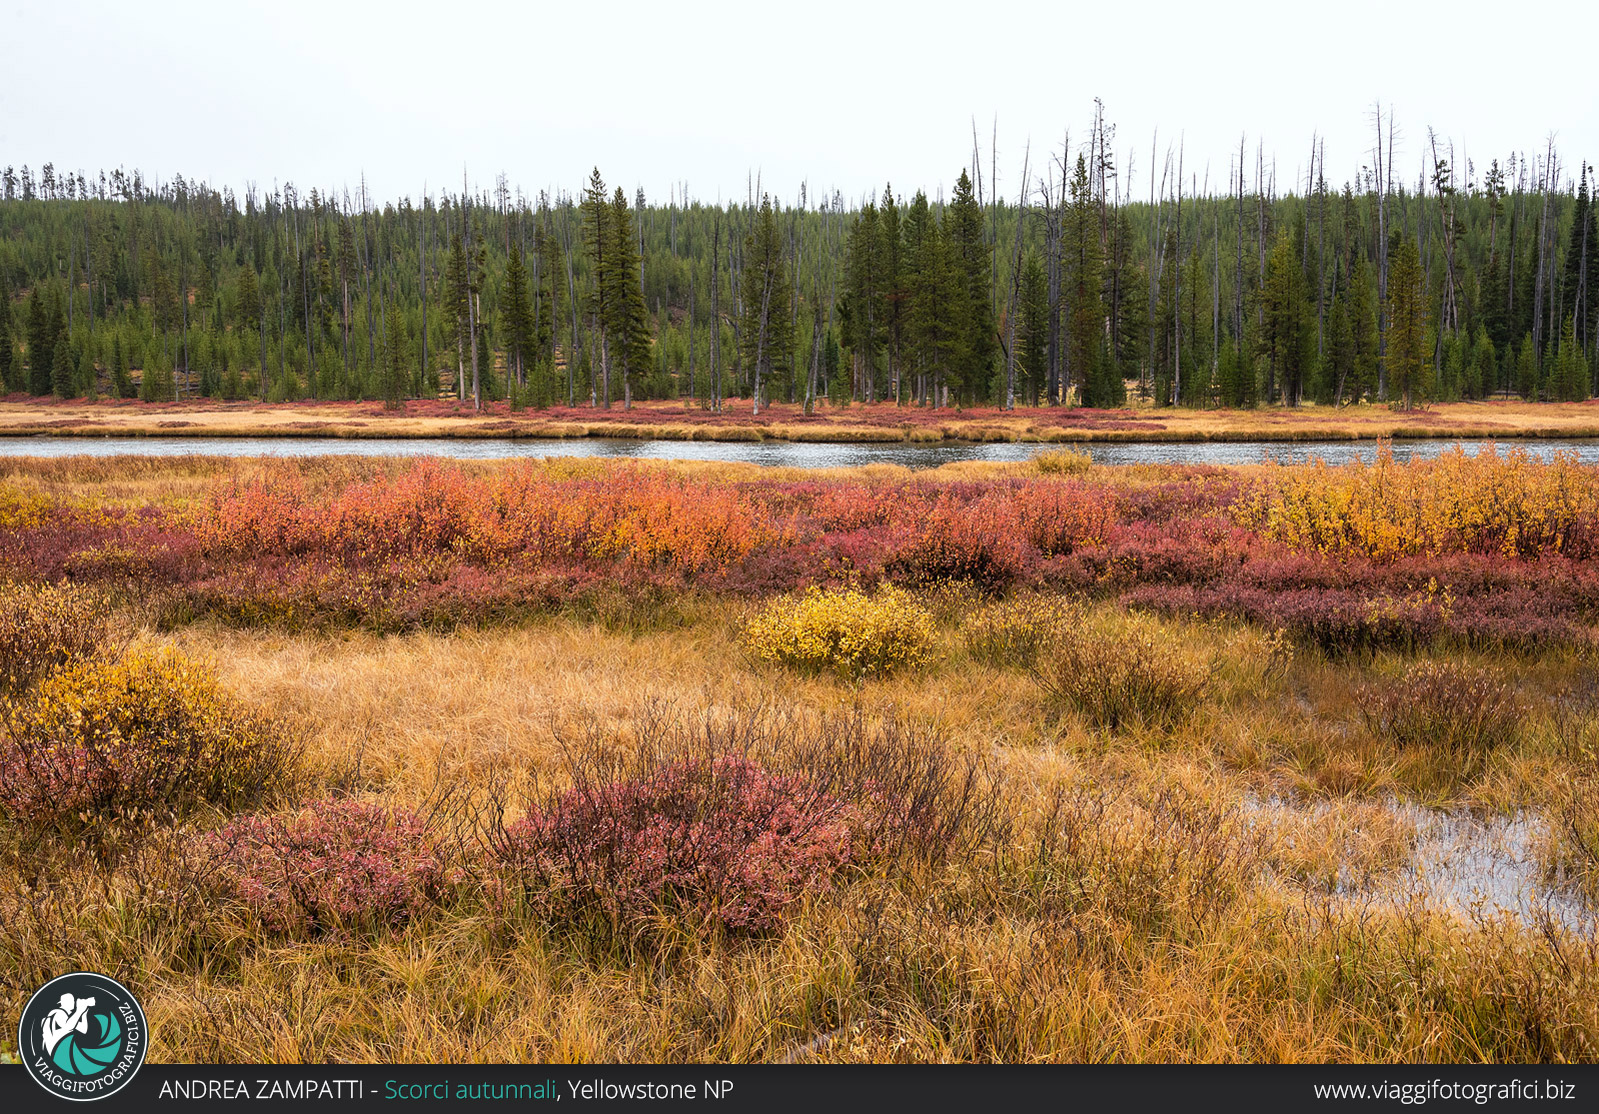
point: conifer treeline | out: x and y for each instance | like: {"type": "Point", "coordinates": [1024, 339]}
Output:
{"type": "Point", "coordinates": [1461, 283]}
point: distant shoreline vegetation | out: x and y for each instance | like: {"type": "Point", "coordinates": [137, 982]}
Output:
{"type": "Point", "coordinates": [880, 423]}
{"type": "Point", "coordinates": [1451, 281]}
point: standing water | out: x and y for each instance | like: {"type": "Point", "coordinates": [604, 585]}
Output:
{"type": "Point", "coordinates": [791, 454]}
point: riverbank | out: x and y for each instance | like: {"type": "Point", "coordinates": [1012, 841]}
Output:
{"type": "Point", "coordinates": [21, 416]}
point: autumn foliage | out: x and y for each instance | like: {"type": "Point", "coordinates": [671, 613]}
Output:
{"type": "Point", "coordinates": [149, 733]}
{"type": "Point", "coordinates": [333, 864]}
{"type": "Point", "coordinates": [1493, 548]}
{"type": "Point", "coordinates": [720, 837]}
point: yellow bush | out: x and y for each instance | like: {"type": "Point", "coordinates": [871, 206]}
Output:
{"type": "Point", "coordinates": [848, 632]}
{"type": "Point", "coordinates": [1062, 462]}
{"type": "Point", "coordinates": [1120, 675]}
{"type": "Point", "coordinates": [1513, 505]}
{"type": "Point", "coordinates": [21, 509]}
{"type": "Point", "coordinates": [152, 733]}
{"type": "Point", "coordinates": [1011, 633]}
{"type": "Point", "coordinates": [47, 627]}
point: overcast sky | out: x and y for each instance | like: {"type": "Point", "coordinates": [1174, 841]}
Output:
{"type": "Point", "coordinates": [846, 95]}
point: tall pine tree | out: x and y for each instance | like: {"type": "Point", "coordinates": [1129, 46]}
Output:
{"type": "Point", "coordinates": [975, 345]}
{"type": "Point", "coordinates": [627, 318]}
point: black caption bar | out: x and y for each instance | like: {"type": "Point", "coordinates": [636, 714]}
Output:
{"type": "Point", "coordinates": [715, 1089]}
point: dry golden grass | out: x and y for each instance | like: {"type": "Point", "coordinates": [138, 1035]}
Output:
{"type": "Point", "coordinates": [1169, 894]}
{"type": "Point", "coordinates": [878, 422]}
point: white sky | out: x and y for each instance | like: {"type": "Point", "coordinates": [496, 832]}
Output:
{"type": "Point", "coordinates": [707, 91]}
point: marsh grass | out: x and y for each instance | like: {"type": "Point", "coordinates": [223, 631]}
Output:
{"type": "Point", "coordinates": [1011, 633]}
{"type": "Point", "coordinates": [1114, 888]}
{"type": "Point", "coordinates": [1122, 903]}
{"type": "Point", "coordinates": [1119, 673]}
{"type": "Point", "coordinates": [1461, 710]}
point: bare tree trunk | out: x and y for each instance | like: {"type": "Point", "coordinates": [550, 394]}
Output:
{"type": "Point", "coordinates": [1177, 289]}
{"type": "Point", "coordinates": [1015, 287]}
{"type": "Point", "coordinates": [422, 286]}
{"type": "Point", "coordinates": [716, 315]}
{"type": "Point", "coordinates": [760, 337]}
{"type": "Point", "coordinates": [1539, 286]}
{"type": "Point", "coordinates": [816, 354]}
{"type": "Point", "coordinates": [1321, 255]}
{"type": "Point", "coordinates": [1381, 184]}
{"type": "Point", "coordinates": [183, 300]}
{"type": "Point", "coordinates": [471, 298]}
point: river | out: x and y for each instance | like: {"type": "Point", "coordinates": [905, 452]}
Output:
{"type": "Point", "coordinates": [772, 453]}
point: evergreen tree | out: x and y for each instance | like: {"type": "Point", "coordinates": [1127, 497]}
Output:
{"type": "Point", "coordinates": [629, 323]}
{"type": "Point", "coordinates": [86, 382]}
{"type": "Point", "coordinates": [864, 306]}
{"type": "Point", "coordinates": [63, 367]}
{"type": "Point", "coordinates": [1362, 306]}
{"type": "Point", "coordinates": [765, 292]}
{"type": "Point", "coordinates": [1485, 362]}
{"type": "Point", "coordinates": [975, 347]}
{"type": "Point", "coordinates": [1286, 337]}
{"type": "Point", "coordinates": [8, 351]}
{"type": "Point", "coordinates": [1098, 382]}
{"type": "Point", "coordinates": [599, 242]}
{"type": "Point", "coordinates": [1033, 339]}
{"type": "Point", "coordinates": [1342, 380]}
{"type": "Point", "coordinates": [930, 285]}
{"type": "Point", "coordinates": [547, 308]}
{"type": "Point", "coordinates": [1580, 282]}
{"type": "Point", "coordinates": [1571, 369]}
{"type": "Point", "coordinates": [121, 382]}
{"type": "Point", "coordinates": [483, 374]}
{"type": "Point", "coordinates": [894, 294]}
{"type": "Point", "coordinates": [1409, 354]}
{"type": "Point", "coordinates": [247, 299]}
{"type": "Point", "coordinates": [1527, 369]}
{"type": "Point", "coordinates": [392, 374]}
{"type": "Point", "coordinates": [45, 323]}
{"type": "Point", "coordinates": [458, 296]}
{"type": "Point", "coordinates": [516, 313]}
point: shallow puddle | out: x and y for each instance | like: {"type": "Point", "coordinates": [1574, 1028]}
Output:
{"type": "Point", "coordinates": [1476, 867]}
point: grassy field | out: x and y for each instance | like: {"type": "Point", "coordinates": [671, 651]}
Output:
{"type": "Point", "coordinates": [21, 416]}
{"type": "Point", "coordinates": [1093, 765]}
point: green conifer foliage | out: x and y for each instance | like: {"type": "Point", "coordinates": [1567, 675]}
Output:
{"type": "Point", "coordinates": [975, 344]}
{"type": "Point", "coordinates": [63, 368]}
{"type": "Point", "coordinates": [1409, 321]}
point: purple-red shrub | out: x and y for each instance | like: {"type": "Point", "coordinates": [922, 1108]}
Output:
{"type": "Point", "coordinates": [1338, 622]}
{"type": "Point", "coordinates": [723, 839]}
{"type": "Point", "coordinates": [333, 864]}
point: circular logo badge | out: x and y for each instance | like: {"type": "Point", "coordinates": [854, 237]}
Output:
{"type": "Point", "coordinates": [82, 1036]}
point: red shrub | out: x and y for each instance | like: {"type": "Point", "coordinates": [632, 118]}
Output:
{"type": "Point", "coordinates": [722, 838]}
{"type": "Point", "coordinates": [432, 543]}
{"type": "Point", "coordinates": [976, 541]}
{"type": "Point", "coordinates": [333, 864]}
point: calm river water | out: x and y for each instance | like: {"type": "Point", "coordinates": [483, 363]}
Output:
{"type": "Point", "coordinates": [784, 453]}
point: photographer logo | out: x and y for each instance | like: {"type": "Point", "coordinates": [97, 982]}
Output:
{"type": "Point", "coordinates": [82, 1036]}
